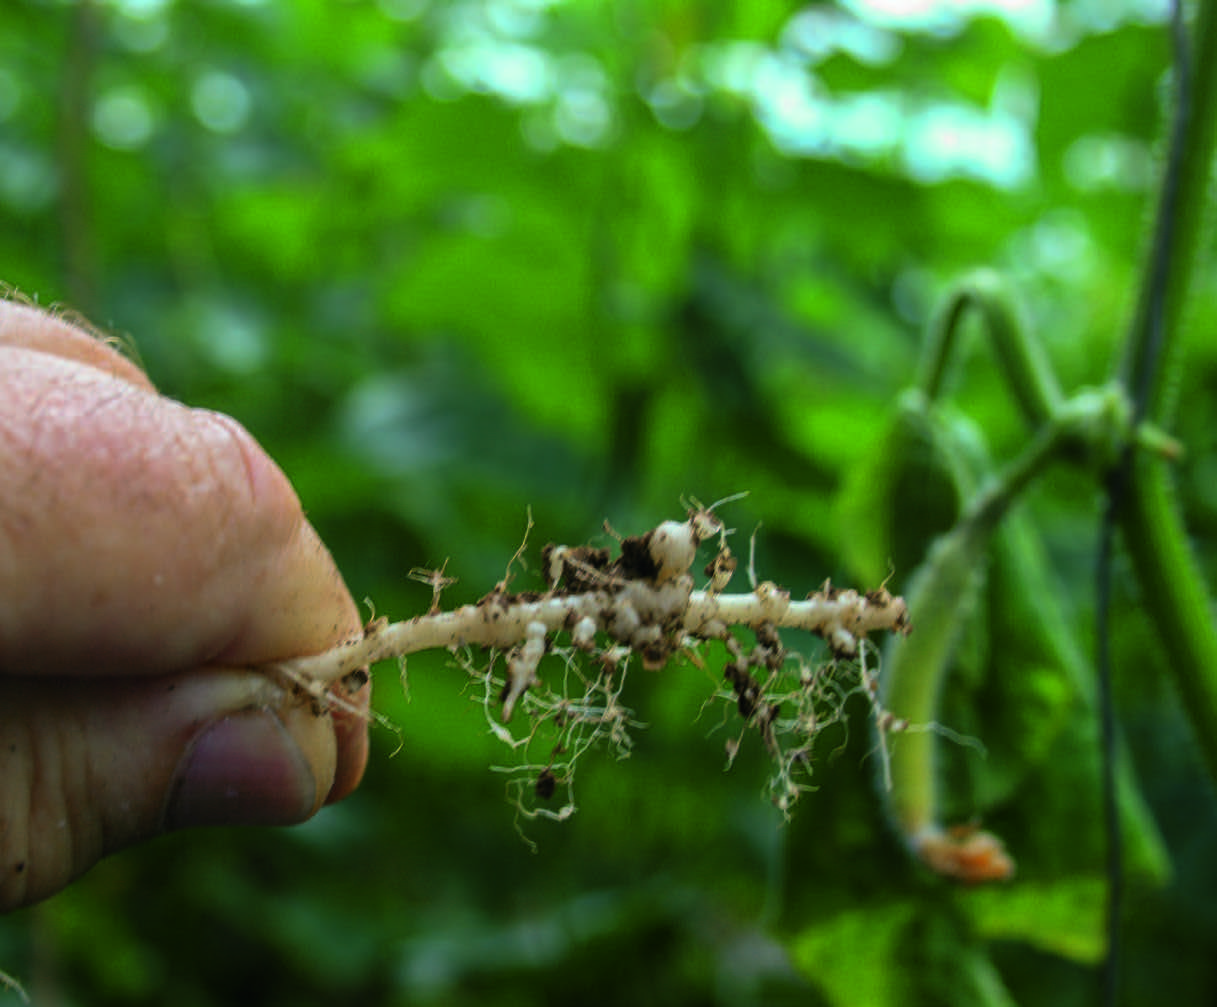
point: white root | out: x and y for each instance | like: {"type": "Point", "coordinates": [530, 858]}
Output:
{"type": "Point", "coordinates": [597, 612]}
{"type": "Point", "coordinates": [637, 615]}
{"type": "Point", "coordinates": [522, 666]}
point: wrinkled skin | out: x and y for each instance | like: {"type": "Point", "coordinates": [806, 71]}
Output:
{"type": "Point", "coordinates": [148, 553]}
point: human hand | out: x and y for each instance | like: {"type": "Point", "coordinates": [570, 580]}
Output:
{"type": "Point", "coordinates": [148, 553]}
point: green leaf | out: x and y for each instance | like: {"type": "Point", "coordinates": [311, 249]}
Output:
{"type": "Point", "coordinates": [1062, 917]}
{"type": "Point", "coordinates": [852, 956]}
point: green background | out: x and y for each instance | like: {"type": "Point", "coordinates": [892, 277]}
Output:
{"type": "Point", "coordinates": [451, 262]}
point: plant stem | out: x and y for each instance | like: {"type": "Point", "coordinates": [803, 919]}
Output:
{"type": "Point", "coordinates": [1151, 363]}
{"type": "Point", "coordinates": [940, 600]}
{"type": "Point", "coordinates": [1139, 498]}
{"type": "Point", "coordinates": [1172, 588]}
{"type": "Point", "coordinates": [1023, 363]}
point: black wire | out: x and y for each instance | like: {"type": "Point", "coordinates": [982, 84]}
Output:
{"type": "Point", "coordinates": [1107, 739]}
{"type": "Point", "coordinates": [1151, 320]}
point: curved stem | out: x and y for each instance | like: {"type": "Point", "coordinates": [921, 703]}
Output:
{"type": "Point", "coordinates": [940, 600]}
{"type": "Point", "coordinates": [1024, 365]}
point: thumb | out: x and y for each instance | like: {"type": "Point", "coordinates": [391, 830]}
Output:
{"type": "Point", "coordinates": [214, 747]}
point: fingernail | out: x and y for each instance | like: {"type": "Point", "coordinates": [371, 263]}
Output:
{"type": "Point", "coordinates": [245, 769]}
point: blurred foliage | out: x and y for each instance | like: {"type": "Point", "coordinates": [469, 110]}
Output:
{"type": "Point", "coordinates": [452, 261]}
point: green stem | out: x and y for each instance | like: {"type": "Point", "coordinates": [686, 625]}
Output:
{"type": "Point", "coordinates": [1172, 589]}
{"type": "Point", "coordinates": [1175, 596]}
{"type": "Point", "coordinates": [1183, 222]}
{"type": "Point", "coordinates": [1090, 427]}
{"type": "Point", "coordinates": [940, 599]}
{"type": "Point", "coordinates": [1023, 364]}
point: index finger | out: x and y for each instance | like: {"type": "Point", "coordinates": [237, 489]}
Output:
{"type": "Point", "coordinates": [138, 535]}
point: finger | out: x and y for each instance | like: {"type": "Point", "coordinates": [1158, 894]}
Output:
{"type": "Point", "coordinates": [140, 537]}
{"type": "Point", "coordinates": [27, 327]}
{"type": "Point", "coordinates": [221, 747]}
{"type": "Point", "coordinates": [351, 717]}
{"type": "Point", "coordinates": [146, 535]}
